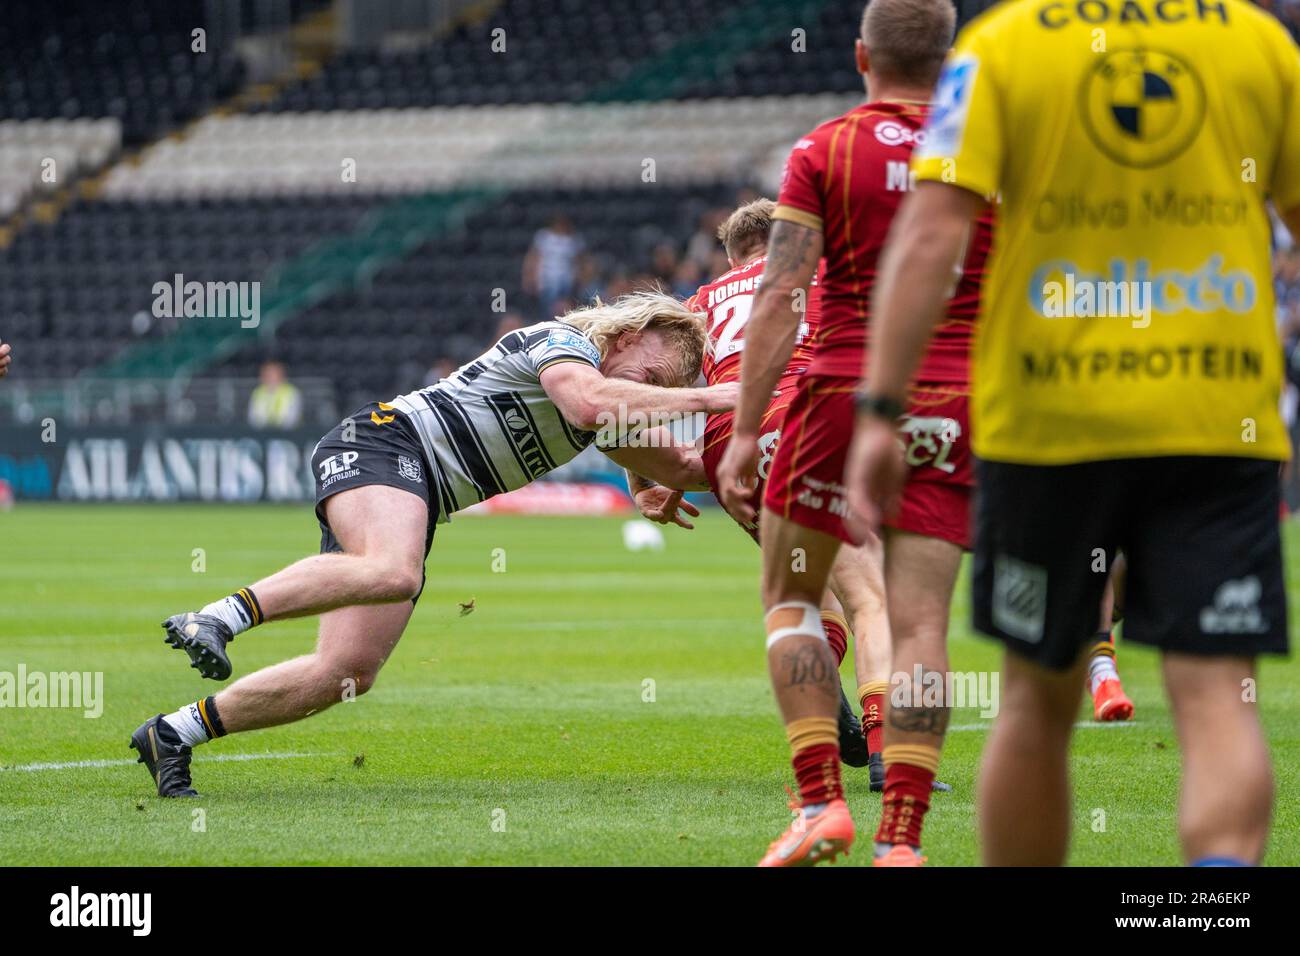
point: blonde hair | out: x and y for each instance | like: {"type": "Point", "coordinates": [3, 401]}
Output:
{"type": "Point", "coordinates": [747, 227]}
{"type": "Point", "coordinates": [908, 39]}
{"type": "Point", "coordinates": [649, 311]}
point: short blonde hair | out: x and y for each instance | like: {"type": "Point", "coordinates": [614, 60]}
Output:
{"type": "Point", "coordinates": [681, 329]}
{"type": "Point", "coordinates": [747, 227]}
{"type": "Point", "coordinates": [908, 39]}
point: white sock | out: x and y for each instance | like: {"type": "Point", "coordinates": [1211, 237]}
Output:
{"type": "Point", "coordinates": [1100, 668]}
{"type": "Point", "coordinates": [232, 611]}
{"type": "Point", "coordinates": [188, 723]}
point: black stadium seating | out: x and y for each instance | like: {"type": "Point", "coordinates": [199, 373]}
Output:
{"type": "Point", "coordinates": [79, 288]}
{"type": "Point", "coordinates": [87, 276]}
{"type": "Point", "coordinates": [566, 51]}
{"type": "Point", "coordinates": [132, 61]}
{"type": "Point", "coordinates": [381, 339]}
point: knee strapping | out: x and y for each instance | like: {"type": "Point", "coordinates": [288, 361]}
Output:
{"type": "Point", "coordinates": [809, 626]}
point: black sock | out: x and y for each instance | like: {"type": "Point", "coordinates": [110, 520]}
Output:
{"type": "Point", "coordinates": [208, 708]}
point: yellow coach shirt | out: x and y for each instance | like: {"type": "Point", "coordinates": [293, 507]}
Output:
{"type": "Point", "coordinates": [1128, 308]}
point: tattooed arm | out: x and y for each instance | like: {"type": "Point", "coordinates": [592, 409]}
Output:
{"type": "Point", "coordinates": [793, 252]}
{"type": "Point", "coordinates": [638, 483]}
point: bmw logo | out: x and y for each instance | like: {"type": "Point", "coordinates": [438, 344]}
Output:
{"type": "Point", "coordinates": [1142, 107]}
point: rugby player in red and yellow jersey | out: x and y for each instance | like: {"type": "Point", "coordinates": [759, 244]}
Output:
{"type": "Point", "coordinates": [1126, 371]}
{"type": "Point", "coordinates": [857, 584]}
{"type": "Point", "coordinates": [843, 183]}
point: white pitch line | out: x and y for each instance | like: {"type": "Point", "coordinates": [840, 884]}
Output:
{"type": "Point", "coordinates": [219, 758]}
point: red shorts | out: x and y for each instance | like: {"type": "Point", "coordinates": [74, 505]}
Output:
{"type": "Point", "coordinates": [935, 435]}
{"type": "Point", "coordinates": [806, 481]}
{"type": "Point", "coordinates": [717, 435]}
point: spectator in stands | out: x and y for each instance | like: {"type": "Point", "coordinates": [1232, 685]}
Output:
{"type": "Point", "coordinates": [663, 263]}
{"type": "Point", "coordinates": [702, 245]}
{"type": "Point", "coordinates": [4, 359]}
{"type": "Point", "coordinates": [1288, 11]}
{"type": "Point", "coordinates": [276, 402]}
{"type": "Point", "coordinates": [1286, 286]}
{"type": "Point", "coordinates": [687, 279]}
{"type": "Point", "coordinates": [439, 370]}
{"type": "Point", "coordinates": [588, 283]}
{"type": "Point", "coordinates": [550, 265]}
{"type": "Point", "coordinates": [510, 321]}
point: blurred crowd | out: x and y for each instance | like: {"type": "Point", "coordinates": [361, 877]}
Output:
{"type": "Point", "coordinates": [1288, 11]}
{"type": "Point", "coordinates": [562, 270]}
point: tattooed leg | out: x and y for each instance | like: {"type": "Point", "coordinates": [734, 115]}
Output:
{"type": "Point", "coordinates": [920, 573]}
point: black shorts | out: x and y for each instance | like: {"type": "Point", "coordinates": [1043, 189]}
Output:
{"type": "Point", "coordinates": [1201, 536]}
{"type": "Point", "coordinates": [376, 445]}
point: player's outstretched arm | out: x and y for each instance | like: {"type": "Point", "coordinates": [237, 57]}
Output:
{"type": "Point", "coordinates": [660, 504]}
{"type": "Point", "coordinates": [675, 466]}
{"type": "Point", "coordinates": [590, 401]}
{"type": "Point", "coordinates": [793, 252]}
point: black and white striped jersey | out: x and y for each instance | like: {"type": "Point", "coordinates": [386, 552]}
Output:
{"type": "Point", "coordinates": [489, 427]}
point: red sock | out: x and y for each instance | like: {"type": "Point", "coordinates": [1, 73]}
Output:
{"type": "Point", "coordinates": [906, 799]}
{"type": "Point", "coordinates": [872, 726]}
{"type": "Point", "coordinates": [837, 635]}
{"type": "Point", "coordinates": [872, 697]}
{"type": "Point", "coordinates": [817, 768]}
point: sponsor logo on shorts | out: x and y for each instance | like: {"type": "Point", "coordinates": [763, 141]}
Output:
{"type": "Point", "coordinates": [822, 496]}
{"type": "Point", "coordinates": [337, 467]}
{"type": "Point", "coordinates": [1019, 598]}
{"type": "Point", "coordinates": [929, 440]}
{"type": "Point", "coordinates": [1235, 609]}
{"type": "Point", "coordinates": [408, 468]}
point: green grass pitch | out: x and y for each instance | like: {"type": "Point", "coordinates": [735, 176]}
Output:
{"type": "Point", "coordinates": [516, 734]}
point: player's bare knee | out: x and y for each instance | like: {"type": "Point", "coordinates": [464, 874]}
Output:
{"type": "Point", "coordinates": [407, 583]}
{"type": "Point", "coordinates": [349, 679]}
{"type": "Point", "coordinates": [396, 582]}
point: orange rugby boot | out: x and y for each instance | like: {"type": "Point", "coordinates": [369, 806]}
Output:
{"type": "Point", "coordinates": [1110, 702]}
{"type": "Point", "coordinates": [810, 839]}
{"type": "Point", "coordinates": [900, 855]}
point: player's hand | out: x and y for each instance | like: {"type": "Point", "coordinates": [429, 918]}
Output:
{"type": "Point", "coordinates": [5, 359]}
{"type": "Point", "coordinates": [721, 397]}
{"type": "Point", "coordinates": [661, 505]}
{"type": "Point", "coordinates": [873, 474]}
{"type": "Point", "coordinates": [738, 477]}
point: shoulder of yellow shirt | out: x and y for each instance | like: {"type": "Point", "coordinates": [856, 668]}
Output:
{"type": "Point", "coordinates": [1011, 14]}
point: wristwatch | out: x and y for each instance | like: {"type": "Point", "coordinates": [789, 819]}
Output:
{"type": "Point", "coordinates": [878, 405]}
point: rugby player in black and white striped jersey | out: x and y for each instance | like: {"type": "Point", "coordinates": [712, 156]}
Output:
{"type": "Point", "coordinates": [389, 474]}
